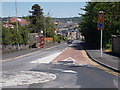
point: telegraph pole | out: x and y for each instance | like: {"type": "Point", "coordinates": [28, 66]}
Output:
{"type": "Point", "coordinates": [17, 20]}
{"type": "Point", "coordinates": [16, 15]}
{"type": "Point", "coordinates": [45, 30]}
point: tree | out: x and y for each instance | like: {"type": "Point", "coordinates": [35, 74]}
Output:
{"type": "Point", "coordinates": [16, 37]}
{"type": "Point", "coordinates": [88, 26]}
{"type": "Point", "coordinates": [36, 19]}
{"type": "Point", "coordinates": [49, 27]}
{"type": "Point", "coordinates": [12, 36]}
{"type": "Point", "coordinates": [6, 36]}
{"type": "Point", "coordinates": [24, 34]}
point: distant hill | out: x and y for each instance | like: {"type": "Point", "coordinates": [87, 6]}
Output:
{"type": "Point", "coordinates": [64, 20]}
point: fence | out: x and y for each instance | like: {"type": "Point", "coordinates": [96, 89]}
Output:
{"type": "Point", "coordinates": [116, 44]}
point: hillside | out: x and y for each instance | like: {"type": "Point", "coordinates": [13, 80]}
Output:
{"type": "Point", "coordinates": [65, 20]}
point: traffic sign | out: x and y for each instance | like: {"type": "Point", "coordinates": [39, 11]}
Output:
{"type": "Point", "coordinates": [100, 25]}
{"type": "Point", "coordinates": [100, 21]}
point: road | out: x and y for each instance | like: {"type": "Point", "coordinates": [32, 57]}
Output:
{"type": "Point", "coordinates": [62, 66]}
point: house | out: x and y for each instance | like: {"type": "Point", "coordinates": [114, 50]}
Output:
{"type": "Point", "coordinates": [21, 22]}
{"type": "Point", "coordinates": [8, 26]}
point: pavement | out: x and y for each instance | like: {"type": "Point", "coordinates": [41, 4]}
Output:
{"type": "Point", "coordinates": [108, 60]}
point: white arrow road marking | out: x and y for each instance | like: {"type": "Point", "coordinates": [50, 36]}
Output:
{"type": "Point", "coordinates": [47, 59]}
{"type": "Point", "coordinates": [69, 59]}
{"type": "Point", "coordinates": [74, 61]}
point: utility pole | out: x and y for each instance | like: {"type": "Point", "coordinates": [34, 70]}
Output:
{"type": "Point", "coordinates": [16, 15]}
{"type": "Point", "coordinates": [17, 20]}
{"type": "Point", "coordinates": [45, 30]}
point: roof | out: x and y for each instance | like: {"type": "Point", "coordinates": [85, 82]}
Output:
{"type": "Point", "coordinates": [20, 20]}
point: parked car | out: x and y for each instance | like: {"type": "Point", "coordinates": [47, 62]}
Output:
{"type": "Point", "coordinates": [69, 41]}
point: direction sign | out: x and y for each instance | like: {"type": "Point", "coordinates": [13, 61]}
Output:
{"type": "Point", "coordinates": [100, 21]}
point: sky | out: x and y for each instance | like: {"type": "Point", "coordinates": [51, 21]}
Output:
{"type": "Point", "coordinates": [56, 9]}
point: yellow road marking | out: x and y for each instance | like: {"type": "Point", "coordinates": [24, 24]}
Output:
{"type": "Point", "coordinates": [18, 56]}
{"type": "Point", "coordinates": [25, 54]}
{"type": "Point", "coordinates": [99, 66]}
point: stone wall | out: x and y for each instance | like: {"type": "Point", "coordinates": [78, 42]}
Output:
{"type": "Point", "coordinates": [116, 44]}
{"type": "Point", "coordinates": [12, 48]}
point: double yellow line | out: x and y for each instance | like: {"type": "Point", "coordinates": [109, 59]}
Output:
{"type": "Point", "coordinates": [99, 66]}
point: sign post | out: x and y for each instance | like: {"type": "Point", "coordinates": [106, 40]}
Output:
{"type": "Point", "coordinates": [101, 27]}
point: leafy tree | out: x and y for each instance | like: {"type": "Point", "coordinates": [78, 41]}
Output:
{"type": "Point", "coordinates": [24, 34]}
{"type": "Point", "coordinates": [12, 36]}
{"type": "Point", "coordinates": [55, 38]}
{"type": "Point", "coordinates": [16, 37]}
{"type": "Point", "coordinates": [6, 36]}
{"type": "Point", "coordinates": [49, 27]}
{"type": "Point", "coordinates": [88, 26]}
{"type": "Point", "coordinates": [37, 19]}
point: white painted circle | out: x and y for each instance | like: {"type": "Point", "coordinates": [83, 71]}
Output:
{"type": "Point", "coordinates": [25, 78]}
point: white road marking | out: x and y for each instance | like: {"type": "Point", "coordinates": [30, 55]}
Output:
{"type": "Point", "coordinates": [69, 59]}
{"type": "Point", "coordinates": [64, 49]}
{"type": "Point", "coordinates": [66, 71]}
{"type": "Point", "coordinates": [46, 59]}
{"type": "Point", "coordinates": [115, 80]}
{"type": "Point", "coordinates": [26, 78]}
{"type": "Point", "coordinates": [69, 71]}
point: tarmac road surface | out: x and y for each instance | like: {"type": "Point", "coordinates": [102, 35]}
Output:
{"type": "Point", "coordinates": [63, 66]}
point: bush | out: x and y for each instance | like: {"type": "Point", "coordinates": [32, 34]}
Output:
{"type": "Point", "coordinates": [12, 36]}
{"type": "Point", "coordinates": [55, 38]}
